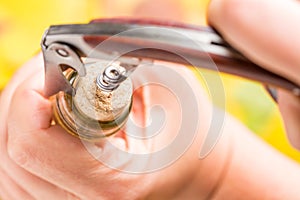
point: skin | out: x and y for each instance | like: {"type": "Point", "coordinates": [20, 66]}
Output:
{"type": "Point", "coordinates": [42, 161]}
{"type": "Point", "coordinates": [265, 32]}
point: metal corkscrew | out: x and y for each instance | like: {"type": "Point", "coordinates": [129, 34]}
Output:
{"type": "Point", "coordinates": [88, 67]}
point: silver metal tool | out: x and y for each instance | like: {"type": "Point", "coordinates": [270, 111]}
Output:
{"type": "Point", "coordinates": [124, 44]}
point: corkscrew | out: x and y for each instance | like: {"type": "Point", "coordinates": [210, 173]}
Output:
{"type": "Point", "coordinates": [100, 56]}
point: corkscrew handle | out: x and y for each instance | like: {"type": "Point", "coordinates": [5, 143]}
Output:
{"type": "Point", "coordinates": [146, 39]}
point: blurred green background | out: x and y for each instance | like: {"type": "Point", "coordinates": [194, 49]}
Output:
{"type": "Point", "coordinates": [22, 24]}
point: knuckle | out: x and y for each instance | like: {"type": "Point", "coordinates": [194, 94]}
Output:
{"type": "Point", "coordinates": [34, 113]}
{"type": "Point", "coordinates": [19, 155]}
{"type": "Point", "coordinates": [18, 148]}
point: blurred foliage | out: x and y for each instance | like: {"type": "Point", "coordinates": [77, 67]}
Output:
{"type": "Point", "coordinates": [22, 24]}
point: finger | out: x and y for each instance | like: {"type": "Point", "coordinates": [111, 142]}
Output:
{"type": "Point", "coordinates": [11, 189]}
{"type": "Point", "coordinates": [5, 98]}
{"type": "Point", "coordinates": [22, 74]}
{"type": "Point", "coordinates": [60, 160]}
{"type": "Point", "coordinates": [37, 187]}
{"type": "Point", "coordinates": [49, 153]}
{"type": "Point", "coordinates": [265, 31]}
{"type": "Point", "coordinates": [28, 100]}
{"type": "Point", "coordinates": [33, 185]}
{"type": "Point", "coordinates": [289, 106]}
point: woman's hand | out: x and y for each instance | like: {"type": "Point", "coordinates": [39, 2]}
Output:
{"type": "Point", "coordinates": [267, 33]}
{"type": "Point", "coordinates": [39, 160]}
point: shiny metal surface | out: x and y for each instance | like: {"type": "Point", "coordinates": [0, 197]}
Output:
{"type": "Point", "coordinates": [113, 40]}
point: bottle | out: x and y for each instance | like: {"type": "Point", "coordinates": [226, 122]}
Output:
{"type": "Point", "coordinates": [93, 112]}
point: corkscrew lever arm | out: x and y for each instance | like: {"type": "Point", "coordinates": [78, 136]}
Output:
{"type": "Point", "coordinates": [130, 41]}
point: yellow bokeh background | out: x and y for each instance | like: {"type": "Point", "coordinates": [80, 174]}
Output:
{"type": "Point", "coordinates": [22, 24]}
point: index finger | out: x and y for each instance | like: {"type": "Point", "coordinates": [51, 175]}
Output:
{"type": "Point", "coordinates": [267, 31]}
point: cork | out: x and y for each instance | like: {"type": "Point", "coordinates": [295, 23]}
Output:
{"type": "Point", "coordinates": [97, 104]}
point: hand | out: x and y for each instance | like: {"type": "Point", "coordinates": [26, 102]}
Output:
{"type": "Point", "coordinates": [267, 33]}
{"type": "Point", "coordinates": [41, 161]}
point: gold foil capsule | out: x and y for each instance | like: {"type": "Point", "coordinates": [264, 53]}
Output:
{"type": "Point", "coordinates": [92, 113]}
